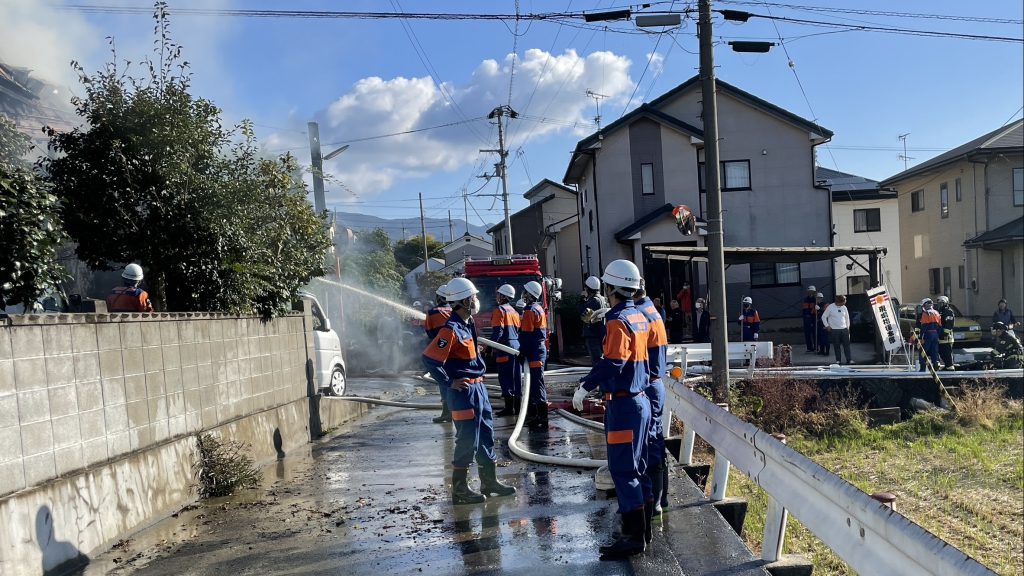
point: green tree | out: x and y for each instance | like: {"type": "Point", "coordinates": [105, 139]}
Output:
{"type": "Point", "coordinates": [429, 282]}
{"type": "Point", "coordinates": [409, 252]}
{"type": "Point", "coordinates": [155, 177]}
{"type": "Point", "coordinates": [371, 264]}
{"type": "Point", "coordinates": [29, 227]}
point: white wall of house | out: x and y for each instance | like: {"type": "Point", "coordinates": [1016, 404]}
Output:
{"type": "Point", "coordinates": [888, 235]}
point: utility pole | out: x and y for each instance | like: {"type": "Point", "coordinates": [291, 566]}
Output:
{"type": "Point", "coordinates": [423, 230]}
{"type": "Point", "coordinates": [498, 113]}
{"type": "Point", "coordinates": [465, 209]}
{"type": "Point", "coordinates": [451, 230]}
{"type": "Point", "coordinates": [716, 235]}
{"type": "Point", "coordinates": [403, 230]}
{"type": "Point", "coordinates": [319, 204]}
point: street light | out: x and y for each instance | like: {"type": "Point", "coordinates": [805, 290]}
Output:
{"type": "Point", "coordinates": [335, 154]}
{"type": "Point", "coordinates": [319, 202]}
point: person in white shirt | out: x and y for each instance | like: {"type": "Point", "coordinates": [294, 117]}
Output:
{"type": "Point", "coordinates": [836, 319]}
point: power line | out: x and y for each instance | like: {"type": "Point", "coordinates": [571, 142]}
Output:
{"type": "Point", "coordinates": [390, 135]}
{"type": "Point", "coordinates": [892, 30]}
{"type": "Point", "coordinates": [886, 13]}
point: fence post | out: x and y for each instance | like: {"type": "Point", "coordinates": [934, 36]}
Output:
{"type": "Point", "coordinates": [721, 478]}
{"type": "Point", "coordinates": [774, 524]}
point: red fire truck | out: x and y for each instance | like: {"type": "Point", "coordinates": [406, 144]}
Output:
{"type": "Point", "coordinates": [490, 273]}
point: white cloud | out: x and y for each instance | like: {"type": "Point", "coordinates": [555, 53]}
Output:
{"type": "Point", "coordinates": [549, 92]}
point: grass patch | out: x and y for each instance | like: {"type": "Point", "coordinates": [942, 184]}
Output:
{"type": "Point", "coordinates": [959, 476]}
{"type": "Point", "coordinates": [223, 467]}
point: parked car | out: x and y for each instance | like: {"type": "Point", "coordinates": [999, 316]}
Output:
{"type": "Point", "coordinates": [330, 365]}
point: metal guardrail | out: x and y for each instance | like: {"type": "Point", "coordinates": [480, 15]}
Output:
{"type": "Point", "coordinates": [871, 537]}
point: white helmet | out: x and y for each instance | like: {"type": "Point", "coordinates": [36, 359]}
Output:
{"type": "Point", "coordinates": [926, 301]}
{"type": "Point", "coordinates": [748, 300]}
{"type": "Point", "coordinates": [820, 295]}
{"type": "Point", "coordinates": [533, 289]}
{"type": "Point", "coordinates": [507, 290]}
{"type": "Point", "coordinates": [459, 289]}
{"type": "Point", "coordinates": [622, 274]}
{"type": "Point", "coordinates": [416, 304]}
{"type": "Point", "coordinates": [811, 288]}
{"type": "Point", "coordinates": [594, 283]}
{"type": "Point", "coordinates": [943, 299]}
{"type": "Point", "coordinates": [132, 272]}
{"type": "Point", "coordinates": [442, 291]}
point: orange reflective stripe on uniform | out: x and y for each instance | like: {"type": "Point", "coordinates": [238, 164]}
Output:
{"type": "Point", "coordinates": [754, 318]}
{"type": "Point", "coordinates": [618, 436]}
{"type": "Point", "coordinates": [440, 346]}
{"type": "Point", "coordinates": [466, 414]}
{"type": "Point", "coordinates": [536, 364]}
{"type": "Point", "coordinates": [616, 340]}
{"type": "Point", "coordinates": [501, 359]}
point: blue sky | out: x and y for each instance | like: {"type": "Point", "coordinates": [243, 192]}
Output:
{"type": "Point", "coordinates": [365, 78]}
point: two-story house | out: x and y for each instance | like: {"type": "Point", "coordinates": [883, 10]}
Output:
{"type": "Point", "coordinates": [863, 214]}
{"type": "Point", "coordinates": [465, 246]}
{"type": "Point", "coordinates": [962, 223]}
{"type": "Point", "coordinates": [631, 173]}
{"type": "Point", "coordinates": [548, 227]}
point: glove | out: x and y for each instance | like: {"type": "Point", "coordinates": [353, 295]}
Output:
{"type": "Point", "coordinates": [755, 335]}
{"type": "Point", "coordinates": [577, 398]}
{"type": "Point", "coordinates": [740, 319]}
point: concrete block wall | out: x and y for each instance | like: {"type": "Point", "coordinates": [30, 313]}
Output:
{"type": "Point", "coordinates": [77, 390]}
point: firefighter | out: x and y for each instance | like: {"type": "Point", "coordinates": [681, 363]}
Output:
{"type": "Point", "coordinates": [928, 329]}
{"type": "Point", "coordinates": [946, 337]}
{"type": "Point", "coordinates": [657, 356]}
{"type": "Point", "coordinates": [810, 315]}
{"type": "Point", "coordinates": [1007, 352]}
{"type": "Point", "coordinates": [436, 319]}
{"type": "Point", "coordinates": [129, 297]}
{"type": "Point", "coordinates": [622, 376]}
{"type": "Point", "coordinates": [452, 355]}
{"type": "Point", "coordinates": [505, 330]}
{"type": "Point", "coordinates": [591, 313]}
{"type": "Point", "coordinates": [534, 348]}
{"type": "Point", "coordinates": [822, 334]}
{"type": "Point", "coordinates": [750, 321]}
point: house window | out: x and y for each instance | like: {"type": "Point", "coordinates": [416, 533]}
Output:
{"type": "Point", "coordinates": [947, 280]}
{"type": "Point", "coordinates": [934, 279]}
{"type": "Point", "coordinates": [1018, 186]}
{"type": "Point", "coordinates": [774, 274]}
{"type": "Point", "coordinates": [734, 175]}
{"type": "Point", "coordinates": [647, 179]}
{"type": "Point", "coordinates": [867, 220]}
{"type": "Point", "coordinates": [944, 200]}
{"type": "Point", "coordinates": [857, 284]}
{"type": "Point", "coordinates": [959, 192]}
{"type": "Point", "coordinates": [917, 201]}
{"type": "Point", "coordinates": [960, 277]}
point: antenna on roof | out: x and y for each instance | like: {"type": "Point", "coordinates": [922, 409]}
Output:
{"type": "Point", "coordinates": [597, 104]}
{"type": "Point", "coordinates": [904, 157]}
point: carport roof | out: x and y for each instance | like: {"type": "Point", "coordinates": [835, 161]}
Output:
{"type": "Point", "coordinates": [749, 254]}
{"type": "Point", "coordinates": [1011, 232]}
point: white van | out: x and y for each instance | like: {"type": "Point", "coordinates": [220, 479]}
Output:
{"type": "Point", "coordinates": [329, 365]}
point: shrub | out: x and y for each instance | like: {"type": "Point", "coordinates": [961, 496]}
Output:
{"type": "Point", "coordinates": [223, 467]}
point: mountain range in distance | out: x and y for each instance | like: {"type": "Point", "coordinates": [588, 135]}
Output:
{"type": "Point", "coordinates": [436, 227]}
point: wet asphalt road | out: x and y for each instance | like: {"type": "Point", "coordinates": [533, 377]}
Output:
{"type": "Point", "coordinates": [373, 499]}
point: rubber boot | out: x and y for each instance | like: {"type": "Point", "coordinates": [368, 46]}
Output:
{"type": "Point", "coordinates": [648, 515]}
{"type": "Point", "coordinates": [540, 422]}
{"type": "Point", "coordinates": [489, 485]}
{"type": "Point", "coordinates": [631, 541]}
{"type": "Point", "coordinates": [509, 409]}
{"type": "Point", "coordinates": [461, 492]}
{"type": "Point", "coordinates": [446, 414]}
{"type": "Point", "coordinates": [664, 485]}
{"type": "Point", "coordinates": [516, 401]}
{"type": "Point", "coordinates": [531, 415]}
{"type": "Point", "coordinates": [654, 474]}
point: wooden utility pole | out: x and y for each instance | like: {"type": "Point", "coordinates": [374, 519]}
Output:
{"type": "Point", "coordinates": [423, 230]}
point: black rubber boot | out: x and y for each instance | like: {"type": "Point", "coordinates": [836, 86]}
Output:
{"type": "Point", "coordinates": [461, 492]}
{"type": "Point", "coordinates": [516, 402]}
{"type": "Point", "coordinates": [631, 541]}
{"type": "Point", "coordinates": [489, 485]}
{"type": "Point", "coordinates": [446, 414]}
{"type": "Point", "coordinates": [664, 485]}
{"type": "Point", "coordinates": [648, 515]}
{"type": "Point", "coordinates": [540, 422]}
{"type": "Point", "coordinates": [531, 414]}
{"type": "Point", "coordinates": [509, 409]}
{"type": "Point", "coordinates": [655, 475]}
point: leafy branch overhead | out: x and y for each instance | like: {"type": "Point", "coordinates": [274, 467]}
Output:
{"type": "Point", "coordinates": [155, 177]}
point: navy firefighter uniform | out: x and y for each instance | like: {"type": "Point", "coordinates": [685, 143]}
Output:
{"type": "Point", "coordinates": [622, 377]}
{"type": "Point", "coordinates": [657, 350]}
{"type": "Point", "coordinates": [533, 345]}
{"type": "Point", "coordinates": [929, 326]}
{"type": "Point", "coordinates": [750, 324]}
{"type": "Point", "coordinates": [505, 330]}
{"type": "Point", "coordinates": [810, 317]}
{"type": "Point", "coordinates": [435, 320]}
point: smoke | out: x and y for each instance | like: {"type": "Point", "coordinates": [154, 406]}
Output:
{"type": "Point", "coordinates": [36, 35]}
